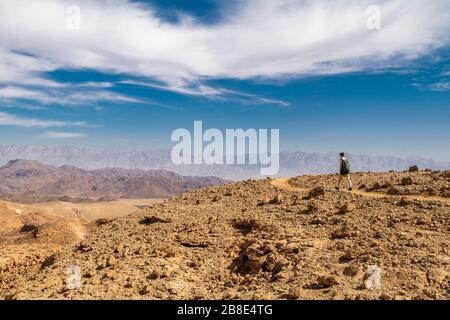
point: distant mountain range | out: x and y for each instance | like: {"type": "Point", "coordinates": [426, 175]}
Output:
{"type": "Point", "coordinates": [291, 163]}
{"type": "Point", "coordinates": [31, 181]}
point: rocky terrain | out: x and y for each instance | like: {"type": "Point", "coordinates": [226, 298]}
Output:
{"type": "Point", "coordinates": [28, 181]}
{"type": "Point", "coordinates": [291, 163]}
{"type": "Point", "coordinates": [409, 182]}
{"type": "Point", "coordinates": [293, 238]}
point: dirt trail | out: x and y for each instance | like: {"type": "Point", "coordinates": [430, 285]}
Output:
{"type": "Point", "coordinates": [283, 183]}
{"type": "Point", "coordinates": [79, 229]}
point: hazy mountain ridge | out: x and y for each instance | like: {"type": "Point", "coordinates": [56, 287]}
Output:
{"type": "Point", "coordinates": [30, 180]}
{"type": "Point", "coordinates": [291, 163]}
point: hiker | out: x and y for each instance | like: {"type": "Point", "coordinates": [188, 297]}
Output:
{"type": "Point", "coordinates": [344, 170]}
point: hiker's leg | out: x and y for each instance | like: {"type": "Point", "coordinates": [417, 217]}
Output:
{"type": "Point", "coordinates": [339, 181]}
{"type": "Point", "coordinates": [349, 181]}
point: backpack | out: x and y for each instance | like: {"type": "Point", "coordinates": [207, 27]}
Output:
{"type": "Point", "coordinates": [345, 166]}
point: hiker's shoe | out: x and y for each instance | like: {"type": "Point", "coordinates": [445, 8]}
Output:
{"type": "Point", "coordinates": [350, 189]}
{"type": "Point", "coordinates": [337, 188]}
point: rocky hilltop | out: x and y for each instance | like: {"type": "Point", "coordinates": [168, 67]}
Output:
{"type": "Point", "coordinates": [293, 238]}
{"type": "Point", "coordinates": [31, 181]}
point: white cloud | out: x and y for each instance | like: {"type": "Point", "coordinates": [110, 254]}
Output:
{"type": "Point", "coordinates": [24, 69]}
{"type": "Point", "coordinates": [95, 96]}
{"type": "Point", "coordinates": [254, 39]}
{"type": "Point", "coordinates": [440, 86]}
{"type": "Point", "coordinates": [7, 119]}
{"type": "Point", "coordinates": [252, 98]}
{"type": "Point", "coordinates": [63, 135]}
{"type": "Point", "coordinates": [93, 84]}
{"type": "Point", "coordinates": [184, 88]}
{"type": "Point", "coordinates": [67, 96]}
{"type": "Point", "coordinates": [23, 106]}
{"type": "Point", "coordinates": [12, 92]}
{"type": "Point", "coordinates": [208, 91]}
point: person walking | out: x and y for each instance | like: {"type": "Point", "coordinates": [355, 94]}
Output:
{"type": "Point", "coordinates": [344, 170]}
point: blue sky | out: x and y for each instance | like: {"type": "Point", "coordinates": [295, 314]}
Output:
{"type": "Point", "coordinates": [135, 71]}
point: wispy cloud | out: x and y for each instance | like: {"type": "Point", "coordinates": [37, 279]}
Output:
{"type": "Point", "coordinates": [215, 93]}
{"type": "Point", "coordinates": [182, 87]}
{"type": "Point", "coordinates": [440, 86]}
{"type": "Point", "coordinates": [93, 84]}
{"type": "Point", "coordinates": [12, 92]}
{"type": "Point", "coordinates": [24, 69]}
{"type": "Point", "coordinates": [23, 106]}
{"type": "Point", "coordinates": [95, 96]}
{"type": "Point", "coordinates": [253, 39]}
{"type": "Point", "coordinates": [64, 97]}
{"type": "Point", "coordinates": [7, 119]}
{"type": "Point", "coordinates": [252, 98]}
{"type": "Point", "coordinates": [63, 135]}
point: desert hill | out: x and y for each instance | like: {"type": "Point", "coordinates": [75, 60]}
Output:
{"type": "Point", "coordinates": [31, 181]}
{"type": "Point", "coordinates": [293, 238]}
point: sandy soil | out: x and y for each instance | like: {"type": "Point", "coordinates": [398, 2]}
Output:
{"type": "Point", "coordinates": [86, 211]}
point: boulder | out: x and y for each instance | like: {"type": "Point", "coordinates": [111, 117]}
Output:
{"type": "Point", "coordinates": [294, 292]}
{"type": "Point", "coordinates": [316, 192]}
{"type": "Point", "coordinates": [278, 199]}
{"type": "Point", "coordinates": [407, 181]}
{"type": "Point", "coordinates": [313, 207]}
{"type": "Point", "coordinates": [111, 261]}
{"type": "Point", "coordinates": [393, 191]}
{"type": "Point", "coordinates": [325, 282]}
{"type": "Point", "coordinates": [347, 207]}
